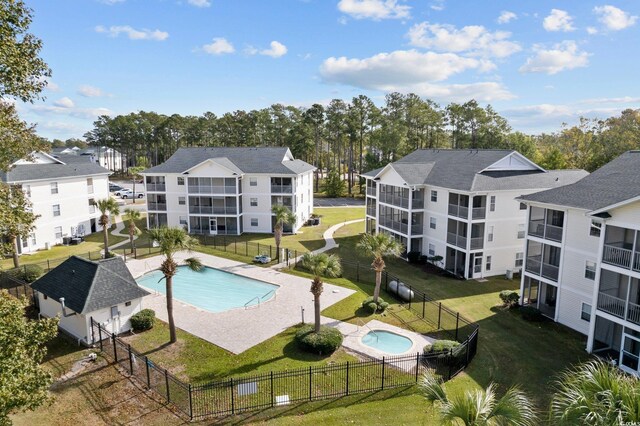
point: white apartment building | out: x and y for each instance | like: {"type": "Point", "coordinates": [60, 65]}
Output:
{"type": "Point", "coordinates": [228, 190]}
{"type": "Point", "coordinates": [108, 158]}
{"type": "Point", "coordinates": [459, 204]}
{"type": "Point", "coordinates": [582, 266]}
{"type": "Point", "coordinates": [63, 192]}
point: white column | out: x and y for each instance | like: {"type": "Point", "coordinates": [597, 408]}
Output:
{"type": "Point", "coordinates": [596, 288]}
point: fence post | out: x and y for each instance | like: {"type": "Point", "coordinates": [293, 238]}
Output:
{"type": "Point", "coordinates": [347, 390]}
{"type": "Point", "coordinates": [246, 248]}
{"type": "Point", "coordinates": [466, 360]}
{"type": "Point", "coordinates": [224, 241]}
{"type": "Point", "coordinates": [115, 349]}
{"type": "Point", "coordinates": [258, 248]}
{"type": "Point", "coordinates": [410, 291]}
{"type": "Point", "coordinates": [93, 332]}
{"type": "Point", "coordinates": [417, 365]}
{"type": "Point", "coordinates": [146, 362]}
{"type": "Point", "coordinates": [235, 247]}
{"type": "Point", "coordinates": [457, 320]}
{"type": "Point", "coordinates": [190, 403]}
{"type": "Point", "coordinates": [100, 336]}
{"type": "Point", "coordinates": [233, 410]}
{"type": "Point", "coordinates": [124, 254]}
{"type": "Point", "coordinates": [439, 312]}
{"type": "Point", "coordinates": [130, 359]}
{"type": "Point", "coordinates": [89, 255]}
{"type": "Point", "coordinates": [166, 382]}
{"type": "Point", "coordinates": [424, 301]}
{"type": "Point", "coordinates": [48, 266]}
{"type": "Point", "coordinates": [382, 388]}
{"type": "Point", "coordinates": [450, 362]}
{"type": "Point", "coordinates": [310, 390]}
{"type": "Point", "coordinates": [272, 399]}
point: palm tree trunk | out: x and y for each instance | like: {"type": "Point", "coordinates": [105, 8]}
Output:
{"type": "Point", "coordinates": [16, 259]}
{"type": "Point", "coordinates": [131, 241]}
{"type": "Point", "coordinates": [134, 191]}
{"type": "Point", "coordinates": [316, 312]}
{"type": "Point", "coordinates": [278, 237]}
{"type": "Point", "coordinates": [172, 325]}
{"type": "Point", "coordinates": [376, 291]}
{"type": "Point", "coordinates": [105, 234]}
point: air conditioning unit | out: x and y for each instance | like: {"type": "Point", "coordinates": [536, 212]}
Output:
{"type": "Point", "coordinates": [47, 245]}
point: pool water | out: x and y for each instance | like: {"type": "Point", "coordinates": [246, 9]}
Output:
{"type": "Point", "coordinates": [211, 289]}
{"type": "Point", "coordinates": [386, 341]}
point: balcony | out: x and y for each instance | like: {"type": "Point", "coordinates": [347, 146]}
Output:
{"type": "Point", "coordinates": [615, 255]}
{"type": "Point", "coordinates": [396, 200]}
{"type": "Point", "coordinates": [538, 228]}
{"type": "Point", "coordinates": [457, 240]}
{"type": "Point", "coordinates": [214, 189]}
{"type": "Point", "coordinates": [479, 213]}
{"type": "Point", "coordinates": [156, 187]}
{"type": "Point", "coordinates": [281, 189]}
{"type": "Point", "coordinates": [616, 306]}
{"type": "Point", "coordinates": [459, 211]}
{"type": "Point", "coordinates": [477, 243]}
{"type": "Point", "coordinates": [371, 191]}
{"type": "Point", "coordinates": [395, 226]}
{"type": "Point", "coordinates": [213, 210]}
{"type": "Point", "coordinates": [417, 203]}
{"type": "Point", "coordinates": [371, 211]}
{"type": "Point", "coordinates": [546, 270]}
{"type": "Point", "coordinates": [416, 229]}
{"type": "Point", "coordinates": [156, 206]}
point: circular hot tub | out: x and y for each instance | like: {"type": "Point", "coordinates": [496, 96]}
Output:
{"type": "Point", "coordinates": [387, 342]}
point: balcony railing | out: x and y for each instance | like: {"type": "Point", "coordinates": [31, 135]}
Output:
{"type": "Point", "coordinates": [416, 229]}
{"type": "Point", "coordinates": [550, 271]}
{"type": "Point", "coordinates": [457, 240]}
{"type": "Point", "coordinates": [479, 213]}
{"type": "Point", "coordinates": [550, 232]}
{"type": "Point", "coordinates": [157, 206]}
{"type": "Point", "coordinates": [459, 211]}
{"type": "Point", "coordinates": [213, 210]}
{"type": "Point", "coordinates": [371, 191]}
{"type": "Point", "coordinates": [214, 189]}
{"type": "Point", "coordinates": [617, 256]}
{"type": "Point", "coordinates": [371, 211]}
{"type": "Point", "coordinates": [395, 226]}
{"type": "Point", "coordinates": [633, 313]}
{"type": "Point", "coordinates": [281, 189]}
{"type": "Point", "coordinates": [207, 231]}
{"type": "Point", "coordinates": [532, 265]}
{"type": "Point", "coordinates": [417, 203]}
{"type": "Point", "coordinates": [156, 187]}
{"type": "Point", "coordinates": [611, 304]}
{"type": "Point", "coordinates": [395, 200]}
{"type": "Point", "coordinates": [536, 266]}
{"type": "Point", "coordinates": [477, 243]}
{"type": "Point", "coordinates": [636, 262]}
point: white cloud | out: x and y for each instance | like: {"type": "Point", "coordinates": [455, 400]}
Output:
{"type": "Point", "coordinates": [90, 113]}
{"type": "Point", "coordinates": [374, 9]}
{"type": "Point", "coordinates": [592, 30]}
{"type": "Point", "coordinates": [132, 33]}
{"type": "Point", "coordinates": [276, 50]}
{"type": "Point", "coordinates": [558, 20]}
{"type": "Point", "coordinates": [61, 128]}
{"type": "Point", "coordinates": [438, 5]}
{"type": "Point", "coordinates": [200, 3]}
{"type": "Point", "coordinates": [64, 103]}
{"type": "Point", "coordinates": [614, 19]}
{"type": "Point", "coordinates": [506, 17]}
{"type": "Point", "coordinates": [561, 57]}
{"type": "Point", "coordinates": [219, 46]}
{"type": "Point", "coordinates": [52, 86]}
{"type": "Point", "coordinates": [90, 91]}
{"type": "Point", "coordinates": [474, 39]}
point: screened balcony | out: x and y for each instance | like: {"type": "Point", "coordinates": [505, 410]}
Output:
{"type": "Point", "coordinates": [457, 232]}
{"type": "Point", "coordinates": [371, 188]}
{"type": "Point", "coordinates": [622, 248]}
{"type": "Point", "coordinates": [546, 223]}
{"type": "Point", "coordinates": [394, 195]}
{"type": "Point", "coordinates": [459, 205]}
{"type": "Point", "coordinates": [213, 205]}
{"type": "Point", "coordinates": [155, 184]}
{"type": "Point", "coordinates": [205, 185]}
{"type": "Point", "coordinates": [157, 202]}
{"type": "Point", "coordinates": [619, 295]}
{"type": "Point", "coordinates": [543, 260]}
{"type": "Point", "coordinates": [394, 219]}
{"type": "Point", "coordinates": [479, 210]}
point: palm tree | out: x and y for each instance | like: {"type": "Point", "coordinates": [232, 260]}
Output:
{"type": "Point", "coordinates": [171, 241]}
{"type": "Point", "coordinates": [320, 265]}
{"type": "Point", "coordinates": [283, 216]}
{"type": "Point", "coordinates": [108, 207]}
{"type": "Point", "coordinates": [378, 246]}
{"type": "Point", "coordinates": [596, 393]}
{"type": "Point", "coordinates": [131, 215]}
{"type": "Point", "coordinates": [480, 407]}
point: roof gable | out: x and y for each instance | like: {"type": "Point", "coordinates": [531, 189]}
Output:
{"type": "Point", "coordinates": [513, 162]}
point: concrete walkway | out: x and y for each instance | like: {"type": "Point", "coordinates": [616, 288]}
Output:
{"type": "Point", "coordinates": [118, 233]}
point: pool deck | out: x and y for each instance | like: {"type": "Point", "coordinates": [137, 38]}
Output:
{"type": "Point", "coordinates": [237, 330]}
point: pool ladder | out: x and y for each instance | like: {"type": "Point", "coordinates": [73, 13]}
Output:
{"type": "Point", "coordinates": [259, 299]}
{"type": "Point", "coordinates": [364, 324]}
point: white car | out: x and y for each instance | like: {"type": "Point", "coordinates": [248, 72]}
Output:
{"type": "Point", "coordinates": [262, 258]}
{"type": "Point", "coordinates": [128, 193]}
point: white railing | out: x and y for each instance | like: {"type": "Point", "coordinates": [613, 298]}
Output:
{"type": "Point", "coordinates": [479, 213]}
{"type": "Point", "coordinates": [633, 313]}
{"type": "Point", "coordinates": [617, 256]}
{"type": "Point", "coordinates": [550, 271]}
{"type": "Point", "coordinates": [636, 262]}
{"type": "Point", "coordinates": [156, 187]}
{"type": "Point", "coordinates": [477, 243]}
{"type": "Point", "coordinates": [611, 304]}
{"type": "Point", "coordinates": [457, 240]}
{"type": "Point", "coordinates": [459, 211]}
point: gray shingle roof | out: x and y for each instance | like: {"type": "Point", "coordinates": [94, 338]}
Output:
{"type": "Point", "coordinates": [613, 183]}
{"type": "Point", "coordinates": [88, 286]}
{"type": "Point", "coordinates": [497, 181]}
{"type": "Point", "coordinates": [246, 160]}
{"type": "Point", "coordinates": [76, 166]}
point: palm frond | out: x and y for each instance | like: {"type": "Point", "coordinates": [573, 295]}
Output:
{"type": "Point", "coordinates": [514, 408]}
{"type": "Point", "coordinates": [432, 387]}
{"type": "Point", "coordinates": [193, 263]}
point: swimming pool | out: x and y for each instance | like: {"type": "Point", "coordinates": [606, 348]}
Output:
{"type": "Point", "coordinates": [386, 341]}
{"type": "Point", "coordinates": [211, 289]}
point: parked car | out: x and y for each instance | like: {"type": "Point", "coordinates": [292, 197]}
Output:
{"type": "Point", "coordinates": [114, 187]}
{"type": "Point", "coordinates": [128, 193]}
{"type": "Point", "coordinates": [262, 258]}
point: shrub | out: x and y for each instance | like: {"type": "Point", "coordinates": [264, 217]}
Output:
{"type": "Point", "coordinates": [449, 351]}
{"type": "Point", "coordinates": [441, 346]}
{"type": "Point", "coordinates": [529, 313]}
{"type": "Point", "coordinates": [143, 320]}
{"type": "Point", "coordinates": [333, 184]}
{"type": "Point", "coordinates": [414, 257]}
{"type": "Point", "coordinates": [28, 273]}
{"type": "Point", "coordinates": [509, 297]}
{"type": "Point", "coordinates": [371, 306]}
{"type": "Point", "coordinates": [323, 343]}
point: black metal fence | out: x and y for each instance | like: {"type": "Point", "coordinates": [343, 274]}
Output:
{"type": "Point", "coordinates": [15, 286]}
{"type": "Point", "coordinates": [235, 395]}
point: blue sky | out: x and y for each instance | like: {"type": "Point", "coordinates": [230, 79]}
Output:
{"type": "Point", "coordinates": [539, 63]}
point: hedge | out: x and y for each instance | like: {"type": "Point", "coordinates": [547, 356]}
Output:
{"type": "Point", "coordinates": [323, 343]}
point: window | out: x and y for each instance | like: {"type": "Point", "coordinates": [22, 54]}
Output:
{"type": "Point", "coordinates": [54, 187]}
{"type": "Point", "coordinates": [180, 181]}
{"type": "Point", "coordinates": [434, 196]}
{"type": "Point", "coordinates": [523, 206]}
{"type": "Point", "coordinates": [519, 259]}
{"type": "Point", "coordinates": [590, 270]}
{"type": "Point", "coordinates": [254, 221]}
{"type": "Point", "coordinates": [492, 203]}
{"type": "Point", "coordinates": [58, 231]}
{"type": "Point", "coordinates": [254, 202]}
{"type": "Point", "coordinates": [92, 205]}
{"type": "Point", "coordinates": [182, 201]}
{"type": "Point", "coordinates": [521, 231]}
{"type": "Point", "coordinates": [127, 303]}
{"type": "Point", "coordinates": [595, 229]}
{"type": "Point", "coordinates": [56, 210]}
{"type": "Point", "coordinates": [490, 234]}
{"type": "Point", "coordinates": [183, 220]}
{"type": "Point", "coordinates": [585, 313]}
{"type": "Point", "coordinates": [488, 264]}
{"type": "Point", "coordinates": [33, 239]}
{"type": "Point", "coordinates": [432, 249]}
{"type": "Point", "coordinates": [253, 181]}
{"type": "Point", "coordinates": [90, 185]}
{"type": "Point", "coordinates": [432, 222]}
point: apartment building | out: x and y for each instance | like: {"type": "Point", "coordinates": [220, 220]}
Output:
{"type": "Point", "coordinates": [459, 204]}
{"type": "Point", "coordinates": [228, 190]}
{"type": "Point", "coordinates": [582, 266]}
{"type": "Point", "coordinates": [63, 192]}
{"type": "Point", "coordinates": [108, 158]}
